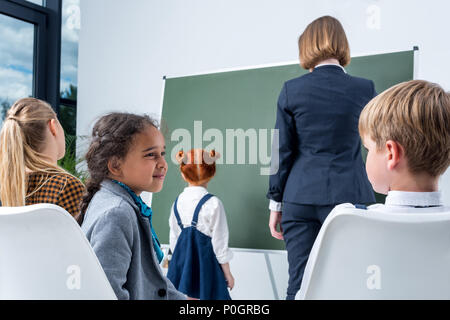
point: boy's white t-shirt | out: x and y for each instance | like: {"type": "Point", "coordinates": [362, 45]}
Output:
{"type": "Point", "coordinates": [212, 221]}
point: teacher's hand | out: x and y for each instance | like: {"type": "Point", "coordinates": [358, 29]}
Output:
{"type": "Point", "coordinates": [274, 221]}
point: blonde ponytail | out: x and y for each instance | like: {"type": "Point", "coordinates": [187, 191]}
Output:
{"type": "Point", "coordinates": [12, 164]}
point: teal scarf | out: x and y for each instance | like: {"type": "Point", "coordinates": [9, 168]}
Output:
{"type": "Point", "coordinates": [147, 212]}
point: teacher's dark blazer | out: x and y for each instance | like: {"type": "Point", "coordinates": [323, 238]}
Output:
{"type": "Point", "coordinates": [319, 145]}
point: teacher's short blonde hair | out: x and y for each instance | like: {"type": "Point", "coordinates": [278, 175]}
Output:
{"type": "Point", "coordinates": [415, 114]}
{"type": "Point", "coordinates": [324, 38]}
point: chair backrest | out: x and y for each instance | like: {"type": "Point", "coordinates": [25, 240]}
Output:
{"type": "Point", "coordinates": [45, 255]}
{"type": "Point", "coordinates": [364, 254]}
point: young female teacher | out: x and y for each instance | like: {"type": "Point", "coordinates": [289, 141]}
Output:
{"type": "Point", "coordinates": [320, 162]}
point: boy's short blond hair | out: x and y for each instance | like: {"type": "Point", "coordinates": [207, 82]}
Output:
{"type": "Point", "coordinates": [415, 114]}
{"type": "Point", "coordinates": [322, 39]}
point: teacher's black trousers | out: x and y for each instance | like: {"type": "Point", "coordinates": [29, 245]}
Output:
{"type": "Point", "coordinates": [301, 224]}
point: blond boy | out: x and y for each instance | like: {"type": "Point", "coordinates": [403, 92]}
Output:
{"type": "Point", "coordinates": [406, 130]}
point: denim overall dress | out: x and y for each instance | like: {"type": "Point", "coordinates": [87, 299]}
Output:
{"type": "Point", "coordinates": [194, 269]}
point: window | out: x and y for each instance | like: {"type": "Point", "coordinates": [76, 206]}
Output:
{"type": "Point", "coordinates": [38, 57]}
{"type": "Point", "coordinates": [16, 61]}
{"type": "Point", "coordinates": [69, 44]}
{"type": "Point", "coordinates": [29, 25]}
{"type": "Point", "coordinates": [38, 2]}
{"type": "Point", "coordinates": [69, 81]}
{"type": "Point", "coordinates": [69, 64]}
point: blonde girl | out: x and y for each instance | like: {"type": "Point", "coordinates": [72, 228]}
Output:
{"type": "Point", "coordinates": [31, 142]}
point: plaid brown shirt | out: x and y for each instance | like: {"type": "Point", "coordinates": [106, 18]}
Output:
{"type": "Point", "coordinates": [63, 190]}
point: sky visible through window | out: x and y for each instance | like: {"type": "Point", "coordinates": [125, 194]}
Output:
{"type": "Point", "coordinates": [16, 58]}
{"type": "Point", "coordinates": [16, 53]}
{"type": "Point", "coordinates": [69, 44]}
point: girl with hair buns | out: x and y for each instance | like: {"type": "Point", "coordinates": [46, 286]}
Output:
{"type": "Point", "coordinates": [32, 141]}
{"type": "Point", "coordinates": [199, 232]}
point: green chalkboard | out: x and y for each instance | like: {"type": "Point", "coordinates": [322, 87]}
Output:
{"type": "Point", "coordinates": [235, 113]}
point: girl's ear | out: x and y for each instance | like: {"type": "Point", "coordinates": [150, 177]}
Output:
{"type": "Point", "coordinates": [114, 166]}
{"type": "Point", "coordinates": [53, 126]}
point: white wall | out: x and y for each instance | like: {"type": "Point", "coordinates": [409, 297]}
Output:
{"type": "Point", "coordinates": [126, 47]}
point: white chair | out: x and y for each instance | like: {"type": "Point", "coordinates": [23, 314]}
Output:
{"type": "Point", "coordinates": [364, 254]}
{"type": "Point", "coordinates": [45, 255]}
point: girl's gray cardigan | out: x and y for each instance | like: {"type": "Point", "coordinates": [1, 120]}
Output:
{"type": "Point", "coordinates": [121, 239]}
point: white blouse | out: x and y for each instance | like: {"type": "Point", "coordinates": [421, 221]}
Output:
{"type": "Point", "coordinates": [212, 221]}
